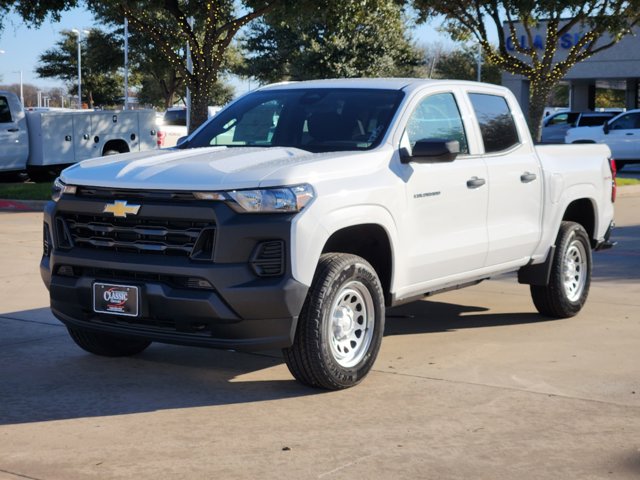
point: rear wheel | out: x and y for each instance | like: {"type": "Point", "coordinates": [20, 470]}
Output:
{"type": "Point", "coordinates": [106, 344]}
{"type": "Point", "coordinates": [570, 279]}
{"type": "Point", "coordinates": [341, 324]}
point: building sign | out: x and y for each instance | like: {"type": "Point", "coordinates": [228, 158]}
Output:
{"type": "Point", "coordinates": [566, 41]}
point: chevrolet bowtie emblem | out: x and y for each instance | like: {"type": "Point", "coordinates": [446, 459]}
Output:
{"type": "Point", "coordinates": [120, 208]}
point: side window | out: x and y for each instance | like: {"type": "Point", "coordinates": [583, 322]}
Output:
{"type": "Point", "coordinates": [626, 122]}
{"type": "Point", "coordinates": [5, 112]}
{"type": "Point", "coordinates": [560, 119]}
{"type": "Point", "coordinates": [497, 125]}
{"type": "Point", "coordinates": [437, 116]}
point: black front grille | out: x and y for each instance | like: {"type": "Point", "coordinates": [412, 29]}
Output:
{"type": "Point", "coordinates": [136, 235]}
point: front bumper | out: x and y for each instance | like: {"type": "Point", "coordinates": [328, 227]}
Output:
{"type": "Point", "coordinates": [239, 309]}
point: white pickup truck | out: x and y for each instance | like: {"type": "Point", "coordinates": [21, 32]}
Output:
{"type": "Point", "coordinates": [42, 141]}
{"type": "Point", "coordinates": [298, 213]}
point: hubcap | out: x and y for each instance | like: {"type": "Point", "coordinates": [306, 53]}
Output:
{"type": "Point", "coordinates": [350, 328]}
{"type": "Point", "coordinates": [574, 270]}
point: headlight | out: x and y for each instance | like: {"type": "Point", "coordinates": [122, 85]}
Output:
{"type": "Point", "coordinates": [59, 188]}
{"type": "Point", "coordinates": [267, 200]}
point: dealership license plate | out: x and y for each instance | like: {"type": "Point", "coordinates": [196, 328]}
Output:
{"type": "Point", "coordinates": [115, 299]}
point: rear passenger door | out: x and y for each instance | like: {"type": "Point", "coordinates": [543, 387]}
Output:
{"type": "Point", "coordinates": [515, 183]}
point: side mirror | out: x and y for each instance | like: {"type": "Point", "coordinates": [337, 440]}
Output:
{"type": "Point", "coordinates": [606, 128]}
{"type": "Point", "coordinates": [432, 150]}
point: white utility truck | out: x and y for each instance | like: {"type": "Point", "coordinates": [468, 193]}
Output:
{"type": "Point", "coordinates": [42, 141]}
{"type": "Point", "coordinates": [300, 211]}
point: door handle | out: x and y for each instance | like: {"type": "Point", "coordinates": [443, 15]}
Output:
{"type": "Point", "coordinates": [475, 182]}
{"type": "Point", "coordinates": [527, 177]}
{"type": "Point", "coordinates": [13, 129]}
{"type": "Point", "coordinates": [629, 133]}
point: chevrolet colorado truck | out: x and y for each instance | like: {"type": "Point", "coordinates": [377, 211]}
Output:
{"type": "Point", "coordinates": [298, 213]}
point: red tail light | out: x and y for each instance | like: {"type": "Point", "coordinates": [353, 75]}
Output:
{"type": "Point", "coordinates": [614, 174]}
{"type": "Point", "coordinates": [161, 136]}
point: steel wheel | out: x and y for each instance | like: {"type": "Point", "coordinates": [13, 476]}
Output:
{"type": "Point", "coordinates": [574, 267]}
{"type": "Point", "coordinates": [350, 328]}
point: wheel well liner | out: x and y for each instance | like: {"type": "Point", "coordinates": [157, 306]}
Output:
{"type": "Point", "coordinates": [582, 212]}
{"type": "Point", "coordinates": [371, 242]}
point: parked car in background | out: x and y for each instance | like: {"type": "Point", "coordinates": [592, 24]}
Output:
{"type": "Point", "coordinates": [621, 134]}
{"type": "Point", "coordinates": [172, 127]}
{"type": "Point", "coordinates": [556, 126]}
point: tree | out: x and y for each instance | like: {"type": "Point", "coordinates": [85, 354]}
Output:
{"type": "Point", "coordinates": [604, 23]}
{"type": "Point", "coordinates": [331, 39]}
{"type": "Point", "coordinates": [167, 27]}
{"type": "Point", "coordinates": [462, 64]}
{"type": "Point", "coordinates": [101, 59]}
{"type": "Point", "coordinates": [34, 12]}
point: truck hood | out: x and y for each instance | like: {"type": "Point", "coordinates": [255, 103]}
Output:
{"type": "Point", "coordinates": [211, 168]}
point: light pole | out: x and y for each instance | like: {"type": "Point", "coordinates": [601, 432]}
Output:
{"type": "Point", "coordinates": [126, 63]}
{"type": "Point", "coordinates": [21, 89]}
{"type": "Point", "coordinates": [79, 34]}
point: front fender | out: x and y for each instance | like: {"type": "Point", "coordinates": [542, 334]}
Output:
{"type": "Point", "coordinates": [310, 232]}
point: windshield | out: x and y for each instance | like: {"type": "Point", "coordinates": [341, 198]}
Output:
{"type": "Point", "coordinates": [317, 120]}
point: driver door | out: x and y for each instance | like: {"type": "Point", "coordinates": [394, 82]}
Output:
{"type": "Point", "coordinates": [445, 221]}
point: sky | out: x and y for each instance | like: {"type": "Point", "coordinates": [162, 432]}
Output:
{"type": "Point", "coordinates": [22, 46]}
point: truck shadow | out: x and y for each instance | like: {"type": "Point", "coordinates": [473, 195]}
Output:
{"type": "Point", "coordinates": [431, 317]}
{"type": "Point", "coordinates": [44, 376]}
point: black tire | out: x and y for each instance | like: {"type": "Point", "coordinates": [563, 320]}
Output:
{"type": "Point", "coordinates": [569, 282]}
{"type": "Point", "coordinates": [106, 344]}
{"type": "Point", "coordinates": [345, 298]}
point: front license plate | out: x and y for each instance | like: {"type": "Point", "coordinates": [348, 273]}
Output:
{"type": "Point", "coordinates": [115, 299]}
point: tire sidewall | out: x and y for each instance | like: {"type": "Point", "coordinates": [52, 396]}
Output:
{"type": "Point", "coordinates": [572, 232]}
{"type": "Point", "coordinates": [363, 273]}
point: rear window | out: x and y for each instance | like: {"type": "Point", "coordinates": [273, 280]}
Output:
{"type": "Point", "coordinates": [497, 125]}
{"type": "Point", "coordinates": [593, 120]}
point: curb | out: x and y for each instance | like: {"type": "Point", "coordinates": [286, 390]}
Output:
{"type": "Point", "coordinates": [22, 205]}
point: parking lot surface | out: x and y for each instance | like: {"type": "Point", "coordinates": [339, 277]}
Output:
{"type": "Point", "coordinates": [468, 384]}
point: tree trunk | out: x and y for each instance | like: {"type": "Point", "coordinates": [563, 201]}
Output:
{"type": "Point", "coordinates": [538, 101]}
{"type": "Point", "coordinates": [199, 102]}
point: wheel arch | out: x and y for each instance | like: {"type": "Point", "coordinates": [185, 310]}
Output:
{"type": "Point", "coordinates": [583, 212]}
{"type": "Point", "coordinates": [118, 145]}
{"type": "Point", "coordinates": [371, 242]}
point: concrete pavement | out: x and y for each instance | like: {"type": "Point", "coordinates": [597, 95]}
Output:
{"type": "Point", "coordinates": [469, 384]}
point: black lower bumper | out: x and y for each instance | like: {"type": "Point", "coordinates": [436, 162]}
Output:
{"type": "Point", "coordinates": [606, 243]}
{"type": "Point", "coordinates": [181, 316]}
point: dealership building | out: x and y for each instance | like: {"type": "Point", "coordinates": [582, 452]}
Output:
{"type": "Point", "coordinates": [617, 67]}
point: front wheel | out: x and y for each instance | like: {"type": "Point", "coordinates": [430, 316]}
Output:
{"type": "Point", "coordinates": [570, 279]}
{"type": "Point", "coordinates": [341, 324]}
{"type": "Point", "coordinates": [106, 344]}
